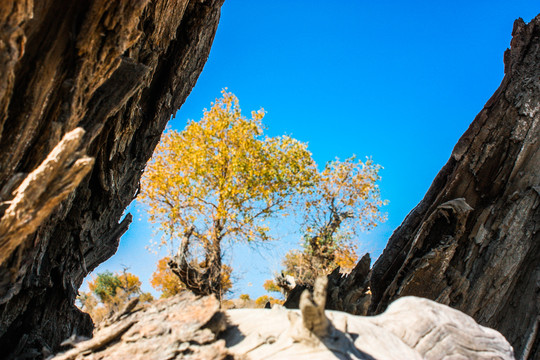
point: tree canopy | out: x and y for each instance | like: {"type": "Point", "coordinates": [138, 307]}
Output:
{"type": "Point", "coordinates": [343, 201]}
{"type": "Point", "coordinates": [220, 179]}
{"type": "Point", "coordinates": [109, 292]}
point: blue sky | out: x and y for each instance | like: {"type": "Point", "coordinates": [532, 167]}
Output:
{"type": "Point", "coordinates": [398, 81]}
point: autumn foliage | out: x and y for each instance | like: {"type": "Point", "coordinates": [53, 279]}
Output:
{"type": "Point", "coordinates": [271, 286]}
{"type": "Point", "coordinates": [165, 281]}
{"type": "Point", "coordinates": [109, 292]}
{"type": "Point", "coordinates": [344, 201]}
{"type": "Point", "coordinates": [220, 179]}
{"type": "Point", "coordinates": [262, 300]}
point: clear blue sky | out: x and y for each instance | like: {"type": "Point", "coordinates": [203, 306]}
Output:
{"type": "Point", "coordinates": [399, 81]}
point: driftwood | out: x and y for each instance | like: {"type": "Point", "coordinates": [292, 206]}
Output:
{"type": "Point", "coordinates": [81, 80]}
{"type": "Point", "coordinates": [473, 242]}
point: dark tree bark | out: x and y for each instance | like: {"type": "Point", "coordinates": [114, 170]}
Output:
{"type": "Point", "coordinates": [86, 89]}
{"type": "Point", "coordinates": [473, 241]}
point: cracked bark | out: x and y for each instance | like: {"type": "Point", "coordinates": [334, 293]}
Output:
{"type": "Point", "coordinates": [117, 70]}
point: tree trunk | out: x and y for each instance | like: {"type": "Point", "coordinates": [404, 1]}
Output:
{"type": "Point", "coordinates": [473, 241]}
{"type": "Point", "coordinates": [86, 90]}
{"type": "Point", "coordinates": [204, 278]}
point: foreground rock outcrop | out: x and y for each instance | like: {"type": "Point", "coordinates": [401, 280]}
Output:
{"type": "Point", "coordinates": [86, 90]}
{"type": "Point", "coordinates": [190, 327]}
{"type": "Point", "coordinates": [473, 242]}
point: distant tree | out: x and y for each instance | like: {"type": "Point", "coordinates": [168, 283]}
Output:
{"type": "Point", "coordinates": [130, 284]}
{"type": "Point", "coordinates": [344, 201]}
{"type": "Point", "coordinates": [105, 285]}
{"type": "Point", "coordinates": [262, 300]}
{"type": "Point", "coordinates": [271, 286]}
{"type": "Point", "coordinates": [109, 292]}
{"type": "Point", "coordinates": [220, 179]}
{"type": "Point", "coordinates": [165, 281]}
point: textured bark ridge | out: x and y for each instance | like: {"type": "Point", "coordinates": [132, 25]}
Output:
{"type": "Point", "coordinates": [86, 90]}
{"type": "Point", "coordinates": [473, 241]}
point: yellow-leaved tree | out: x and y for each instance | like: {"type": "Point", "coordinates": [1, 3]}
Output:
{"type": "Point", "coordinates": [344, 200]}
{"type": "Point", "coordinates": [220, 179]}
{"type": "Point", "coordinates": [164, 280]}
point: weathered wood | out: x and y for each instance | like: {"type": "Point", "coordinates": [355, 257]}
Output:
{"type": "Point", "coordinates": [42, 190]}
{"type": "Point", "coordinates": [411, 328]}
{"type": "Point", "coordinates": [116, 69]}
{"type": "Point", "coordinates": [473, 242]}
{"type": "Point", "coordinates": [312, 309]}
{"type": "Point", "coordinates": [99, 341]}
{"type": "Point", "coordinates": [181, 327]}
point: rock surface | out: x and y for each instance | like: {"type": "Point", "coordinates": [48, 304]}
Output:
{"type": "Point", "coordinates": [473, 242]}
{"type": "Point", "coordinates": [187, 327]}
{"type": "Point", "coordinates": [104, 76]}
